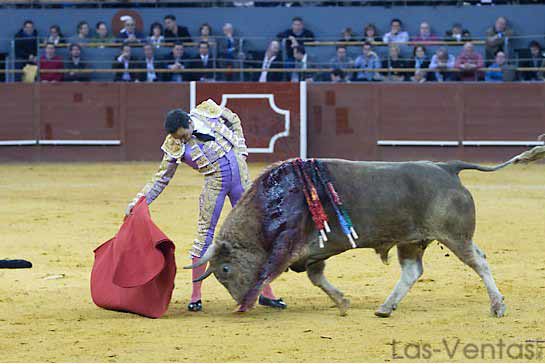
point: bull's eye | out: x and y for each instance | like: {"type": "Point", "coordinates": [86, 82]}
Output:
{"type": "Point", "coordinates": [226, 269]}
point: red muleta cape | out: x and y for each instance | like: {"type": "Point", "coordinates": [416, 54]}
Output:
{"type": "Point", "coordinates": [134, 271]}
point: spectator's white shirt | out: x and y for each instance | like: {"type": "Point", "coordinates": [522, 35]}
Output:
{"type": "Point", "coordinates": [451, 61]}
{"type": "Point", "coordinates": [151, 76]}
{"type": "Point", "coordinates": [400, 37]}
{"type": "Point", "coordinates": [266, 65]}
{"type": "Point", "coordinates": [302, 64]}
{"type": "Point", "coordinates": [126, 75]}
{"type": "Point", "coordinates": [204, 59]}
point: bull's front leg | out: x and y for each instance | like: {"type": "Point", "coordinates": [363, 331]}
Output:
{"type": "Point", "coordinates": [315, 273]}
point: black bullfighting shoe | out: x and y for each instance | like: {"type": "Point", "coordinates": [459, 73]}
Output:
{"type": "Point", "coordinates": [278, 303]}
{"type": "Point", "coordinates": [195, 306]}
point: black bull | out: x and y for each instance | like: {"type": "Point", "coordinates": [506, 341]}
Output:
{"type": "Point", "coordinates": [408, 205]}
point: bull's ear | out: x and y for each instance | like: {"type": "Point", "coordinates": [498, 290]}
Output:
{"type": "Point", "coordinates": [224, 248]}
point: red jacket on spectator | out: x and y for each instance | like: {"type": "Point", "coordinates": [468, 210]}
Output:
{"type": "Point", "coordinates": [469, 58]}
{"type": "Point", "coordinates": [54, 63]}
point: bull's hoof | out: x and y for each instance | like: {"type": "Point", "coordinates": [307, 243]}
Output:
{"type": "Point", "coordinates": [343, 306]}
{"type": "Point", "coordinates": [498, 309]}
{"type": "Point", "coordinates": [383, 311]}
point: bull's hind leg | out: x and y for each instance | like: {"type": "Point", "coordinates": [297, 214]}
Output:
{"type": "Point", "coordinates": [470, 254]}
{"type": "Point", "coordinates": [315, 273]}
{"type": "Point", "coordinates": [410, 259]}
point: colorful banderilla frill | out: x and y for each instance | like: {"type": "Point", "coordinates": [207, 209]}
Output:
{"type": "Point", "coordinates": [313, 201]}
{"type": "Point", "coordinates": [344, 219]}
{"type": "Point", "coordinates": [320, 173]}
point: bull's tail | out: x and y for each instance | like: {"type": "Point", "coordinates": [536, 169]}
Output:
{"type": "Point", "coordinates": [531, 155]}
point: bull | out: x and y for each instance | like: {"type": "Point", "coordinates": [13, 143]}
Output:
{"type": "Point", "coordinates": [405, 204]}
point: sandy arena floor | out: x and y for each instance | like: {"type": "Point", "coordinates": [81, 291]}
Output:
{"type": "Point", "coordinates": [55, 215]}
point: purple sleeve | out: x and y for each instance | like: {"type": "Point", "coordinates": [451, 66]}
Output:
{"type": "Point", "coordinates": [163, 178]}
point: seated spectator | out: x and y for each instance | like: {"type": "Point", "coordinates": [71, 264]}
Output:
{"type": "Point", "coordinates": [396, 34]}
{"type": "Point", "coordinates": [425, 34]}
{"type": "Point", "coordinates": [496, 38]}
{"type": "Point", "coordinates": [205, 33]}
{"type": "Point", "coordinates": [228, 50]}
{"type": "Point", "coordinates": [499, 63]}
{"type": "Point", "coordinates": [370, 34]}
{"type": "Point", "coordinates": [228, 44]}
{"type": "Point", "coordinates": [176, 60]}
{"type": "Point", "coordinates": [420, 58]}
{"type": "Point", "coordinates": [469, 62]}
{"type": "Point", "coordinates": [342, 61]}
{"type": "Point", "coordinates": [441, 63]}
{"type": "Point", "coordinates": [296, 35]}
{"type": "Point", "coordinates": [457, 34]}
{"type": "Point", "coordinates": [394, 63]}
{"type": "Point", "coordinates": [534, 59]}
{"type": "Point", "coordinates": [150, 63]}
{"type": "Point", "coordinates": [347, 36]}
{"type": "Point", "coordinates": [50, 61]}
{"type": "Point", "coordinates": [126, 62]}
{"type": "Point", "coordinates": [156, 37]}
{"type": "Point", "coordinates": [272, 59]}
{"type": "Point", "coordinates": [203, 60]}
{"type": "Point", "coordinates": [74, 62]}
{"type": "Point", "coordinates": [55, 36]}
{"type": "Point", "coordinates": [338, 76]}
{"type": "Point", "coordinates": [26, 46]}
{"type": "Point", "coordinates": [174, 32]}
{"type": "Point", "coordinates": [301, 62]}
{"type": "Point", "coordinates": [367, 62]}
{"type": "Point", "coordinates": [102, 34]}
{"type": "Point", "coordinates": [420, 76]}
{"type": "Point", "coordinates": [82, 34]}
{"type": "Point", "coordinates": [129, 34]}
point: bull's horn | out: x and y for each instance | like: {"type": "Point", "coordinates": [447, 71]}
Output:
{"type": "Point", "coordinates": [204, 276]}
{"type": "Point", "coordinates": [204, 259]}
{"type": "Point", "coordinates": [541, 137]}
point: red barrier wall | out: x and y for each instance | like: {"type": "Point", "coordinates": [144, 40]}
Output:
{"type": "Point", "coordinates": [347, 120]}
{"type": "Point", "coordinates": [344, 120]}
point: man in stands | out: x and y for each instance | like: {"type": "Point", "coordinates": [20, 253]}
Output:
{"type": "Point", "coordinates": [271, 59]}
{"type": "Point", "coordinates": [150, 63]}
{"type": "Point", "coordinates": [342, 60]}
{"type": "Point", "coordinates": [129, 34]}
{"type": "Point", "coordinates": [175, 32]}
{"type": "Point", "coordinates": [26, 46]}
{"type": "Point", "coordinates": [295, 36]}
{"type": "Point", "coordinates": [499, 64]}
{"type": "Point", "coordinates": [534, 58]}
{"type": "Point", "coordinates": [176, 60]}
{"type": "Point", "coordinates": [396, 33]}
{"type": "Point", "coordinates": [425, 34]}
{"type": "Point", "coordinates": [301, 62]}
{"type": "Point", "coordinates": [367, 62]}
{"type": "Point", "coordinates": [468, 62]}
{"type": "Point", "coordinates": [50, 61]}
{"type": "Point", "coordinates": [442, 63]}
{"type": "Point", "coordinates": [126, 62]}
{"type": "Point", "coordinates": [496, 38]}
{"type": "Point", "coordinates": [203, 60]}
{"type": "Point", "coordinates": [74, 62]}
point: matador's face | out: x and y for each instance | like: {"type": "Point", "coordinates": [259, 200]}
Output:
{"type": "Point", "coordinates": [184, 134]}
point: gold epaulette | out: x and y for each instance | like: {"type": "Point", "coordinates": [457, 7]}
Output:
{"type": "Point", "coordinates": [173, 147]}
{"type": "Point", "coordinates": [230, 116]}
{"type": "Point", "coordinates": [208, 109]}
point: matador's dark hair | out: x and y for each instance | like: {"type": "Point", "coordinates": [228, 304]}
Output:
{"type": "Point", "coordinates": [175, 120]}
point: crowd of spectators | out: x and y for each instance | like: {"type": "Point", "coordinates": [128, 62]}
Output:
{"type": "Point", "coordinates": [286, 58]}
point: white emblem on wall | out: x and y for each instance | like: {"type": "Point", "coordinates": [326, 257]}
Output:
{"type": "Point", "coordinates": [272, 104]}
